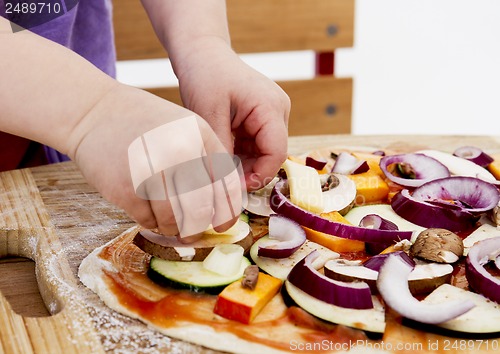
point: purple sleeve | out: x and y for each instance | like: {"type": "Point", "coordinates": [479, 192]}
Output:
{"type": "Point", "coordinates": [86, 28]}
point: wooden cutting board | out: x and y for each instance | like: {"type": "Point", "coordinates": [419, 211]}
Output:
{"type": "Point", "coordinates": [50, 215]}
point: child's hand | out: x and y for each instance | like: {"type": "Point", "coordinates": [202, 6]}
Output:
{"type": "Point", "coordinates": [235, 99]}
{"type": "Point", "coordinates": [134, 146]}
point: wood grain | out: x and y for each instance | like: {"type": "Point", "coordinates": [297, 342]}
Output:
{"type": "Point", "coordinates": [50, 215]}
{"type": "Point", "coordinates": [19, 286]}
{"type": "Point", "coordinates": [319, 106]}
{"type": "Point", "coordinates": [27, 232]}
{"type": "Point", "coordinates": [255, 26]}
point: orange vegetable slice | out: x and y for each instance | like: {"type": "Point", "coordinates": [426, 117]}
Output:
{"type": "Point", "coordinates": [334, 243]}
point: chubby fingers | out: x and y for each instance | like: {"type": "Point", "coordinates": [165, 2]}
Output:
{"type": "Point", "coordinates": [229, 190]}
{"type": "Point", "coordinates": [202, 192]}
{"type": "Point", "coordinates": [264, 153]}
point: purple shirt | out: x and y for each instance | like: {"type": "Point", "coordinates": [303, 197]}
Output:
{"type": "Point", "coordinates": [86, 29]}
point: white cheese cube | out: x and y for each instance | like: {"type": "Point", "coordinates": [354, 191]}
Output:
{"type": "Point", "coordinates": [305, 186]}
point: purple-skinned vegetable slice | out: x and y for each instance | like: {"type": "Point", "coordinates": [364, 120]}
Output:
{"type": "Point", "coordinates": [480, 280]}
{"type": "Point", "coordinates": [474, 154]}
{"type": "Point", "coordinates": [355, 295]}
{"type": "Point", "coordinates": [283, 206]}
{"type": "Point", "coordinates": [453, 203]}
{"type": "Point", "coordinates": [285, 237]}
{"type": "Point", "coordinates": [422, 168]}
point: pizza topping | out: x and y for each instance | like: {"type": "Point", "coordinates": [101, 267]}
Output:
{"type": "Point", "coordinates": [305, 186]}
{"type": "Point", "coordinates": [392, 283]}
{"type": "Point", "coordinates": [424, 278]}
{"type": "Point", "coordinates": [495, 215]}
{"type": "Point", "coordinates": [474, 154]}
{"type": "Point", "coordinates": [224, 259]}
{"type": "Point", "coordinates": [250, 277]}
{"type": "Point", "coordinates": [453, 203]}
{"type": "Point", "coordinates": [332, 181]}
{"type": "Point", "coordinates": [494, 167]}
{"type": "Point", "coordinates": [459, 166]}
{"type": "Point", "coordinates": [316, 163]}
{"type": "Point", "coordinates": [479, 278]}
{"type": "Point", "coordinates": [482, 319]}
{"type": "Point", "coordinates": [285, 237]}
{"type": "Point", "coordinates": [192, 276]}
{"type": "Point", "coordinates": [281, 267]}
{"type": "Point", "coordinates": [281, 205]}
{"type": "Point", "coordinates": [258, 201]}
{"type": "Point", "coordinates": [413, 169]}
{"type": "Point", "coordinates": [376, 262]}
{"type": "Point", "coordinates": [341, 290]}
{"type": "Point", "coordinates": [171, 249]}
{"type": "Point", "coordinates": [374, 221]}
{"type": "Point", "coordinates": [334, 243]}
{"type": "Point", "coordinates": [354, 295]}
{"type": "Point", "coordinates": [242, 304]}
{"type": "Point", "coordinates": [438, 245]}
{"type": "Point", "coordinates": [339, 193]}
{"type": "Point", "coordinates": [371, 320]}
{"type": "Point", "coordinates": [347, 164]}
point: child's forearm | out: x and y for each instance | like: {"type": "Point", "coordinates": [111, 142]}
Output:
{"type": "Point", "coordinates": [184, 26]}
{"type": "Point", "coordinates": [45, 89]}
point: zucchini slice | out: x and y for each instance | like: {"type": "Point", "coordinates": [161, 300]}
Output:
{"type": "Point", "coordinates": [191, 275]}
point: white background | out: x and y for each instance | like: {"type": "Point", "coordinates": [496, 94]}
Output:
{"type": "Point", "coordinates": [419, 67]}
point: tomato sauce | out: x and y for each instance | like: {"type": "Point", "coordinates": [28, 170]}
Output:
{"type": "Point", "coordinates": [277, 326]}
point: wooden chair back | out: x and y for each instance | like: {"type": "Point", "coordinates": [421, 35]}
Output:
{"type": "Point", "coordinates": [321, 104]}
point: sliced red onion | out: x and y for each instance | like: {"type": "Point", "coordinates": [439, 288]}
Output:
{"type": "Point", "coordinates": [497, 262]}
{"type": "Point", "coordinates": [286, 237]}
{"type": "Point", "coordinates": [282, 205]}
{"type": "Point", "coordinates": [376, 262]}
{"type": "Point", "coordinates": [317, 164]}
{"type": "Point", "coordinates": [375, 221]}
{"type": "Point", "coordinates": [452, 203]}
{"type": "Point", "coordinates": [424, 168]}
{"type": "Point", "coordinates": [478, 277]}
{"type": "Point", "coordinates": [379, 153]}
{"type": "Point", "coordinates": [347, 164]}
{"type": "Point", "coordinates": [392, 283]}
{"type": "Point", "coordinates": [431, 215]}
{"type": "Point", "coordinates": [469, 193]}
{"type": "Point", "coordinates": [474, 154]}
{"type": "Point", "coordinates": [355, 295]}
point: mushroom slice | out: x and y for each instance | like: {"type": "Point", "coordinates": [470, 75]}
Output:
{"type": "Point", "coordinates": [495, 215]}
{"type": "Point", "coordinates": [258, 201]}
{"type": "Point", "coordinates": [338, 196]}
{"type": "Point", "coordinates": [438, 245]}
{"type": "Point", "coordinates": [424, 278]}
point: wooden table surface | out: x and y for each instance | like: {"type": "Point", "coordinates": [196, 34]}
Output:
{"type": "Point", "coordinates": [50, 219]}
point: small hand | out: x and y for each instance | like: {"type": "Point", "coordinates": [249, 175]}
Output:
{"type": "Point", "coordinates": [158, 162]}
{"type": "Point", "coordinates": [247, 111]}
